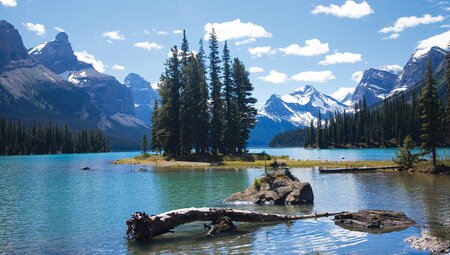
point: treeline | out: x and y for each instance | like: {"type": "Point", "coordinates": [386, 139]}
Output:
{"type": "Point", "coordinates": [17, 139]}
{"type": "Point", "coordinates": [425, 119]}
{"type": "Point", "coordinates": [293, 138]}
{"type": "Point", "coordinates": [203, 115]}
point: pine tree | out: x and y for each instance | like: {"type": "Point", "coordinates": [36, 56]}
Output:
{"type": "Point", "coordinates": [144, 145]}
{"type": "Point", "coordinates": [216, 125]}
{"type": "Point", "coordinates": [154, 141]}
{"type": "Point", "coordinates": [186, 99]}
{"type": "Point", "coordinates": [245, 110]}
{"type": "Point", "coordinates": [319, 131]}
{"type": "Point", "coordinates": [406, 158]}
{"type": "Point", "coordinates": [447, 114]}
{"type": "Point", "coordinates": [429, 114]}
{"type": "Point", "coordinates": [231, 132]}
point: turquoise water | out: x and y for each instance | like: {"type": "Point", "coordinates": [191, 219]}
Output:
{"type": "Point", "coordinates": [49, 206]}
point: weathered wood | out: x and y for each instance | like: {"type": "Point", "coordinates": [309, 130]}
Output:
{"type": "Point", "coordinates": [144, 227]}
{"type": "Point", "coordinates": [355, 169]}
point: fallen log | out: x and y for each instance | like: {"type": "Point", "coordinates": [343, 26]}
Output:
{"type": "Point", "coordinates": [143, 227]}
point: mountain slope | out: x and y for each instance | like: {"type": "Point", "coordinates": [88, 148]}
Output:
{"type": "Point", "coordinates": [295, 110]}
{"type": "Point", "coordinates": [28, 90]}
{"type": "Point", "coordinates": [374, 86]}
{"type": "Point", "coordinates": [144, 95]}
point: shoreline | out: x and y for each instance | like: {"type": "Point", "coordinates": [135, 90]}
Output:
{"type": "Point", "coordinates": [158, 161]}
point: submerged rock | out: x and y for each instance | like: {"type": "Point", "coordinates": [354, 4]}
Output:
{"type": "Point", "coordinates": [275, 187]}
{"type": "Point", "coordinates": [429, 243]}
{"type": "Point", "coordinates": [378, 221]}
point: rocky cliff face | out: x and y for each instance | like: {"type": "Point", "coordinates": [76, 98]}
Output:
{"type": "Point", "coordinates": [414, 70]}
{"type": "Point", "coordinates": [31, 91]}
{"type": "Point", "coordinates": [144, 95]}
{"type": "Point", "coordinates": [374, 86]}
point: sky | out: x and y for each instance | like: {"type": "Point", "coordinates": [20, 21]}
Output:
{"type": "Point", "coordinates": [285, 44]}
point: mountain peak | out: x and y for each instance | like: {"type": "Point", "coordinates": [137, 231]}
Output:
{"type": "Point", "coordinates": [303, 90]}
{"type": "Point", "coordinates": [11, 44]}
{"type": "Point", "coordinates": [62, 37]}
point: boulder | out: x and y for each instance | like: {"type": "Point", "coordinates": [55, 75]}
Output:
{"type": "Point", "coordinates": [275, 187]}
{"type": "Point", "coordinates": [377, 221]}
{"type": "Point", "coordinates": [429, 243]}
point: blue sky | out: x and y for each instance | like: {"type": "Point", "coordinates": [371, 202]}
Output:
{"type": "Point", "coordinates": [341, 37]}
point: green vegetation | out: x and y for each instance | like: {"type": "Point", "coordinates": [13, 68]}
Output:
{"type": "Point", "coordinates": [195, 118]}
{"type": "Point", "coordinates": [17, 139]}
{"type": "Point", "coordinates": [406, 158]}
{"type": "Point", "coordinates": [293, 138]}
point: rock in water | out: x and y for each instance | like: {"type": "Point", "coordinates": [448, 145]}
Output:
{"type": "Point", "coordinates": [275, 187]}
{"type": "Point", "coordinates": [429, 243]}
{"type": "Point", "coordinates": [378, 221]}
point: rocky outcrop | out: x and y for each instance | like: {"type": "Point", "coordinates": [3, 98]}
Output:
{"type": "Point", "coordinates": [374, 86]}
{"type": "Point", "coordinates": [429, 243]}
{"type": "Point", "coordinates": [275, 187]}
{"type": "Point", "coordinates": [378, 221]}
{"type": "Point", "coordinates": [144, 95]}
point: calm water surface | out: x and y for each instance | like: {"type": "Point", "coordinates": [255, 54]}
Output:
{"type": "Point", "coordinates": [49, 206]}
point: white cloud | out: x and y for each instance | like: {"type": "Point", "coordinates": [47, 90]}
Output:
{"type": "Point", "coordinates": [312, 47]}
{"type": "Point", "coordinates": [338, 58]}
{"type": "Point", "coordinates": [177, 31]}
{"type": "Point", "coordinates": [260, 51]}
{"type": "Point", "coordinates": [342, 92]}
{"type": "Point", "coordinates": [393, 36]}
{"type": "Point", "coordinates": [274, 77]}
{"type": "Point", "coordinates": [59, 29]}
{"type": "Point", "coordinates": [356, 76]}
{"type": "Point", "coordinates": [256, 69]}
{"type": "Point", "coordinates": [243, 42]}
{"type": "Point", "coordinates": [90, 59]}
{"type": "Point", "coordinates": [440, 40]}
{"type": "Point", "coordinates": [118, 67]}
{"type": "Point", "coordinates": [350, 9]}
{"type": "Point", "coordinates": [9, 3]}
{"type": "Point", "coordinates": [146, 32]}
{"type": "Point", "coordinates": [113, 35]}
{"type": "Point", "coordinates": [236, 30]}
{"type": "Point", "coordinates": [148, 45]}
{"type": "Point", "coordinates": [162, 33]}
{"type": "Point", "coordinates": [38, 28]}
{"type": "Point", "coordinates": [314, 76]}
{"type": "Point", "coordinates": [403, 23]}
{"type": "Point", "coordinates": [445, 26]}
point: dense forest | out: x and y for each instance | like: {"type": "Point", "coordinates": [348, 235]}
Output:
{"type": "Point", "coordinates": [383, 125]}
{"type": "Point", "coordinates": [17, 139]}
{"type": "Point", "coordinates": [422, 118]}
{"type": "Point", "coordinates": [203, 115]}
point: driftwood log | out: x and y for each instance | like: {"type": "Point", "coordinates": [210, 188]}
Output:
{"type": "Point", "coordinates": [143, 227]}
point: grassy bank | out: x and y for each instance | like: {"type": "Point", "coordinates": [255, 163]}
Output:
{"type": "Point", "coordinates": [245, 161]}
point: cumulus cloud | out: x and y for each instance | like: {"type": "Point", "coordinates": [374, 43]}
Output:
{"type": "Point", "coordinates": [261, 51]}
{"type": "Point", "coordinates": [38, 28]}
{"type": "Point", "coordinates": [177, 31]}
{"type": "Point", "coordinates": [403, 23]}
{"type": "Point", "coordinates": [9, 3]}
{"type": "Point", "coordinates": [59, 29]}
{"type": "Point", "coordinates": [148, 45]}
{"type": "Point", "coordinates": [118, 67]}
{"type": "Point", "coordinates": [393, 36]}
{"type": "Point", "coordinates": [338, 58]}
{"type": "Point", "coordinates": [350, 9]}
{"type": "Point", "coordinates": [90, 59]}
{"type": "Point", "coordinates": [440, 40]}
{"type": "Point", "coordinates": [274, 77]}
{"type": "Point", "coordinates": [243, 42]}
{"type": "Point", "coordinates": [236, 30]}
{"type": "Point", "coordinates": [314, 76]}
{"type": "Point", "coordinates": [146, 32]}
{"type": "Point", "coordinates": [342, 92]}
{"type": "Point", "coordinates": [312, 47]}
{"type": "Point", "coordinates": [256, 69]}
{"type": "Point", "coordinates": [356, 76]}
{"type": "Point", "coordinates": [113, 35]}
{"type": "Point", "coordinates": [162, 33]}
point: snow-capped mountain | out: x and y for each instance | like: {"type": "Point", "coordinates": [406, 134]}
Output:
{"type": "Point", "coordinates": [374, 86]}
{"type": "Point", "coordinates": [295, 110]}
{"type": "Point", "coordinates": [414, 70]}
{"type": "Point", "coordinates": [347, 100]}
{"type": "Point", "coordinates": [144, 95]}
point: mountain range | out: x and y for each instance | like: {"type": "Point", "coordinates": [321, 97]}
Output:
{"type": "Point", "coordinates": [299, 108]}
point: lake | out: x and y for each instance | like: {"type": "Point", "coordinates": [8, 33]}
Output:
{"type": "Point", "coordinates": [49, 206]}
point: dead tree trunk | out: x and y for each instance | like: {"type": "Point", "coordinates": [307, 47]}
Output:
{"type": "Point", "coordinates": [144, 227]}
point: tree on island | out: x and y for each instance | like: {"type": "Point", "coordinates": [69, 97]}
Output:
{"type": "Point", "coordinates": [196, 118]}
{"type": "Point", "coordinates": [429, 107]}
{"type": "Point", "coordinates": [144, 145]}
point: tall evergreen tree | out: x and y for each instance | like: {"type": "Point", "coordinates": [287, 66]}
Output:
{"type": "Point", "coordinates": [319, 131]}
{"type": "Point", "coordinates": [429, 113]}
{"type": "Point", "coordinates": [154, 141]}
{"type": "Point", "coordinates": [216, 125]}
{"type": "Point", "coordinates": [187, 89]}
{"type": "Point", "coordinates": [447, 113]}
{"type": "Point", "coordinates": [231, 132]}
{"type": "Point", "coordinates": [144, 145]}
{"type": "Point", "coordinates": [245, 109]}
{"type": "Point", "coordinates": [202, 124]}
